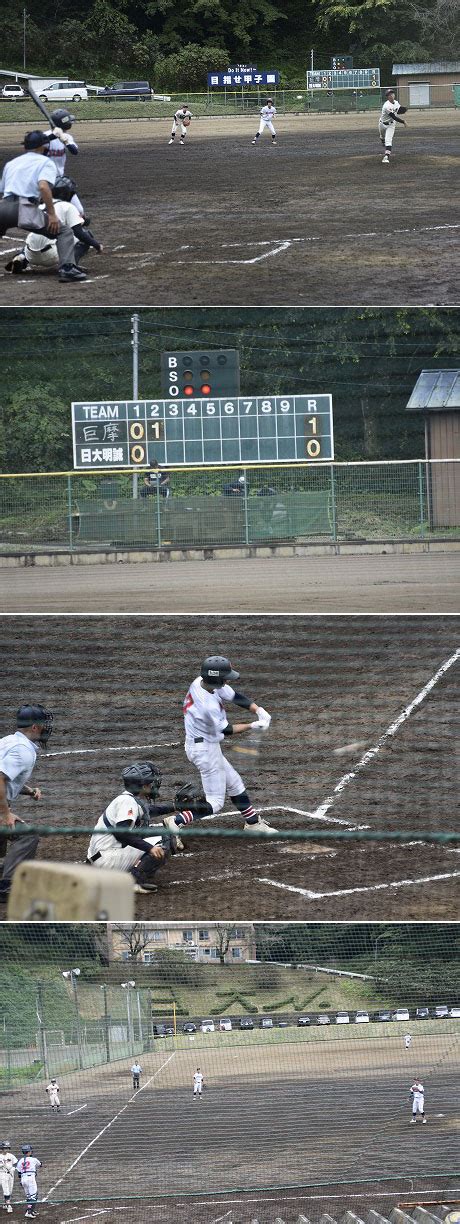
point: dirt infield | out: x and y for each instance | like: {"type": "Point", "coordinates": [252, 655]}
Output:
{"type": "Point", "coordinates": [318, 220]}
{"type": "Point", "coordinates": [422, 582]}
{"type": "Point", "coordinates": [342, 1112]}
{"type": "Point", "coordinates": [329, 682]}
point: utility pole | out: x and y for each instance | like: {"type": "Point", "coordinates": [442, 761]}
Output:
{"type": "Point", "coordinates": [73, 975]}
{"type": "Point", "coordinates": [24, 20]}
{"type": "Point", "coordinates": [135, 348]}
{"type": "Point", "coordinates": [41, 1027]}
{"type": "Point", "coordinates": [106, 1026]}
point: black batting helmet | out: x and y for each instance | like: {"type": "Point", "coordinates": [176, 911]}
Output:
{"type": "Point", "coordinates": [141, 773]}
{"type": "Point", "coordinates": [62, 119]}
{"type": "Point", "coordinates": [26, 1149]}
{"type": "Point", "coordinates": [217, 670]}
{"type": "Point", "coordinates": [5, 1144]}
{"type": "Point", "coordinates": [27, 715]}
{"type": "Point", "coordinates": [64, 188]}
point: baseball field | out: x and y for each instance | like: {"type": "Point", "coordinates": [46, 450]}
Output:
{"type": "Point", "coordinates": [340, 689]}
{"type": "Point", "coordinates": [316, 220]}
{"type": "Point", "coordinates": [281, 1132]}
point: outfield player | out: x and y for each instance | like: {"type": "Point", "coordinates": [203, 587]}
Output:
{"type": "Point", "coordinates": [407, 1041]}
{"type": "Point", "coordinates": [27, 1169]}
{"type": "Point", "coordinates": [61, 143]}
{"type": "Point", "coordinates": [390, 116]}
{"type": "Point", "coordinates": [136, 1072]}
{"type": "Point", "coordinates": [8, 1164]}
{"type": "Point", "coordinates": [418, 1101]}
{"type": "Point", "coordinates": [267, 116]}
{"type": "Point", "coordinates": [18, 754]}
{"type": "Point", "coordinates": [39, 254]}
{"type": "Point", "coordinates": [53, 1091]}
{"type": "Point", "coordinates": [197, 1084]}
{"type": "Point", "coordinates": [181, 120]}
{"type": "Point", "coordinates": [206, 725]}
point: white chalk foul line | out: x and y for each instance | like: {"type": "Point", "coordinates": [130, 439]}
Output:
{"type": "Point", "coordinates": [388, 734]}
{"type": "Point", "coordinates": [346, 892]}
{"type": "Point", "coordinates": [74, 1111]}
{"type": "Point", "coordinates": [122, 748]}
{"type": "Point", "coordinates": [106, 1128]}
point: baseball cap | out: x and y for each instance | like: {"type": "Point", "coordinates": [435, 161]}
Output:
{"type": "Point", "coordinates": [35, 139]}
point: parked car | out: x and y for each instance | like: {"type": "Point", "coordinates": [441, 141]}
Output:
{"type": "Point", "coordinates": [342, 1018]}
{"type": "Point", "coordinates": [266, 1022]}
{"type": "Point", "coordinates": [169, 1030]}
{"type": "Point", "coordinates": [13, 91]}
{"type": "Point", "coordinates": [323, 1019]}
{"type": "Point", "coordinates": [283, 1023]}
{"type": "Point", "coordinates": [422, 1013]}
{"type": "Point", "coordinates": [159, 1030]}
{"type": "Point", "coordinates": [225, 1025]}
{"type": "Point", "coordinates": [134, 91]}
{"type": "Point", "coordinates": [454, 1013]}
{"type": "Point", "coordinates": [207, 1026]}
{"type": "Point", "coordinates": [246, 1023]}
{"type": "Point", "coordinates": [189, 1027]}
{"type": "Point", "coordinates": [441, 1011]}
{"type": "Point", "coordinates": [401, 1013]}
{"type": "Point", "coordinates": [303, 1021]}
{"type": "Point", "coordinates": [383, 1015]}
{"type": "Point", "coordinates": [361, 1017]}
{"type": "Point", "coordinates": [64, 91]}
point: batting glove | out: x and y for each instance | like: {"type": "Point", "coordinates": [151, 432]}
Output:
{"type": "Point", "coordinates": [264, 717]}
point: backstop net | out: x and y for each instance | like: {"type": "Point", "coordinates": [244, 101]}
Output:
{"type": "Point", "coordinates": [220, 1072]}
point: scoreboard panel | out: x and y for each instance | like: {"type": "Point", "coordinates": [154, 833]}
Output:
{"type": "Point", "coordinates": [343, 78]}
{"type": "Point", "coordinates": [233, 430]}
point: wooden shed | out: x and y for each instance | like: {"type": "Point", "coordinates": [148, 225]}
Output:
{"type": "Point", "coordinates": [437, 395]}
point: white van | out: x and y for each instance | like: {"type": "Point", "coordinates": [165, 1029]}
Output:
{"type": "Point", "coordinates": [64, 91]}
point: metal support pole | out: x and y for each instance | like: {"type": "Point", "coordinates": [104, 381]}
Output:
{"type": "Point", "coordinates": [420, 499]}
{"type": "Point", "coordinates": [246, 516]}
{"type": "Point", "coordinates": [41, 1027]}
{"type": "Point", "coordinates": [135, 348]}
{"type": "Point", "coordinates": [24, 22]}
{"type": "Point", "coordinates": [106, 1026]}
{"type": "Point", "coordinates": [139, 1014]}
{"type": "Point", "coordinates": [77, 1016]}
{"type": "Point", "coordinates": [69, 505]}
{"type": "Point", "coordinates": [333, 507]}
{"type": "Point", "coordinates": [158, 511]}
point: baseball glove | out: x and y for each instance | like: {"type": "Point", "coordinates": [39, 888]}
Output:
{"type": "Point", "coordinates": [186, 122]}
{"type": "Point", "coordinates": [402, 110]}
{"type": "Point", "coordinates": [188, 796]}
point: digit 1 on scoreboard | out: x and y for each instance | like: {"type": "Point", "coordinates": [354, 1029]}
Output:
{"type": "Point", "coordinates": [312, 445]}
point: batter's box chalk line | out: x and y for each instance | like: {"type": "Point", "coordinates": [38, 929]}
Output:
{"type": "Point", "coordinates": [365, 888]}
{"type": "Point", "coordinates": [278, 246]}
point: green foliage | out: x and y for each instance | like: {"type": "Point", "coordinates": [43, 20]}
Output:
{"type": "Point", "coordinates": [187, 69]}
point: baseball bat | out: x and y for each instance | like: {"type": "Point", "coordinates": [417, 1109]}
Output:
{"type": "Point", "coordinates": [249, 745]}
{"type": "Point", "coordinates": [41, 107]}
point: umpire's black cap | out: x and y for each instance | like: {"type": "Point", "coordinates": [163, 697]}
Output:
{"type": "Point", "coordinates": [35, 140]}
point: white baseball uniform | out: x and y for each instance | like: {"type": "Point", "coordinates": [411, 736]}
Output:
{"type": "Point", "coordinates": [205, 718]}
{"type": "Point", "coordinates": [387, 122]}
{"type": "Point", "coordinates": [17, 759]}
{"type": "Point", "coordinates": [267, 116]}
{"type": "Point", "coordinates": [197, 1083]}
{"type": "Point", "coordinates": [58, 150]}
{"type": "Point", "coordinates": [178, 121]}
{"type": "Point", "coordinates": [124, 810]}
{"type": "Point", "coordinates": [27, 1168]}
{"type": "Point", "coordinates": [407, 1041]}
{"type": "Point", "coordinates": [41, 252]}
{"type": "Point", "coordinates": [8, 1164]}
{"type": "Point", "coordinates": [53, 1093]}
{"type": "Point", "coordinates": [136, 1071]}
{"type": "Point", "coordinates": [418, 1098]}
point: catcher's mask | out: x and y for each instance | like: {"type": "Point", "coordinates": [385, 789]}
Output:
{"type": "Point", "coordinates": [140, 774]}
{"type": "Point", "coordinates": [64, 188]}
{"type": "Point", "coordinates": [217, 670]}
{"type": "Point", "coordinates": [28, 715]}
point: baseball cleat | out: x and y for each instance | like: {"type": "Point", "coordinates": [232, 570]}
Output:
{"type": "Point", "coordinates": [385, 160]}
{"type": "Point", "coordinates": [259, 826]}
{"type": "Point", "coordinates": [70, 272]}
{"type": "Point", "coordinates": [8, 1206]}
{"type": "Point", "coordinates": [413, 1120]}
{"type": "Point", "coordinates": [423, 1121]}
{"type": "Point", "coordinates": [145, 888]}
{"type": "Point", "coordinates": [254, 141]}
{"type": "Point", "coordinates": [173, 828]}
{"type": "Point", "coordinates": [172, 140]}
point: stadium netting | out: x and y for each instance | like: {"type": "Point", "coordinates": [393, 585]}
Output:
{"type": "Point", "coordinates": [308, 1037]}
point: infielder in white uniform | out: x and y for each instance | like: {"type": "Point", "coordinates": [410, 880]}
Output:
{"type": "Point", "coordinates": [197, 1084]}
{"type": "Point", "coordinates": [128, 849]}
{"type": "Point", "coordinates": [18, 754]}
{"type": "Point", "coordinates": [267, 116]}
{"type": "Point", "coordinates": [206, 725]}
{"type": "Point", "coordinates": [178, 121]}
{"type": "Point", "coordinates": [27, 1169]}
{"type": "Point", "coordinates": [8, 1164]}
{"type": "Point", "coordinates": [418, 1101]}
{"type": "Point", "coordinates": [390, 116]}
{"type": "Point", "coordinates": [407, 1041]}
{"type": "Point", "coordinates": [53, 1091]}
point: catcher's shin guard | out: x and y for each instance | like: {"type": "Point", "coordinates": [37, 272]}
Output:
{"type": "Point", "coordinates": [145, 871]}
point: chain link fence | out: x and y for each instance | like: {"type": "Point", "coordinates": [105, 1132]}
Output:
{"type": "Point", "coordinates": [213, 507]}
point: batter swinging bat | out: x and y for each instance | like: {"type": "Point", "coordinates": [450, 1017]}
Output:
{"type": "Point", "coordinates": [39, 103]}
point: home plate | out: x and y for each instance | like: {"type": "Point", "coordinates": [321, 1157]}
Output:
{"type": "Point", "coordinates": [355, 747]}
{"type": "Point", "coordinates": [309, 849]}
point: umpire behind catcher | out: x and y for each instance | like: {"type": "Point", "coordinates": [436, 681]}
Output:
{"type": "Point", "coordinates": [18, 754]}
{"type": "Point", "coordinates": [25, 181]}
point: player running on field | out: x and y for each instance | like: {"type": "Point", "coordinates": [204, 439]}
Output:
{"type": "Point", "coordinates": [27, 1169]}
{"type": "Point", "coordinates": [53, 1091]}
{"type": "Point", "coordinates": [8, 1164]}
{"type": "Point", "coordinates": [418, 1101]}
{"type": "Point", "coordinates": [267, 116]}
{"type": "Point", "coordinates": [181, 120]}
{"type": "Point", "coordinates": [206, 725]}
{"type": "Point", "coordinates": [390, 116]}
{"type": "Point", "coordinates": [197, 1084]}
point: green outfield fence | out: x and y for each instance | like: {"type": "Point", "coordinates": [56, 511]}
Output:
{"type": "Point", "coordinates": [236, 102]}
{"type": "Point", "coordinates": [336, 503]}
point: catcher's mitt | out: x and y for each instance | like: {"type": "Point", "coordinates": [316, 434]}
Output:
{"type": "Point", "coordinates": [186, 122]}
{"type": "Point", "coordinates": [188, 796]}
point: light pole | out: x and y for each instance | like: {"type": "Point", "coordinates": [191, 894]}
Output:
{"type": "Point", "coordinates": [106, 1024]}
{"type": "Point", "coordinates": [72, 975]}
{"type": "Point", "coordinates": [128, 986]}
{"type": "Point", "coordinates": [384, 935]}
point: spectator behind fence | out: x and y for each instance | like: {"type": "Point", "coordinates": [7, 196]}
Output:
{"type": "Point", "coordinates": [236, 488]}
{"type": "Point", "coordinates": [157, 478]}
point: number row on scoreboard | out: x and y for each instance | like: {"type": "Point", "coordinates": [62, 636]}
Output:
{"type": "Point", "coordinates": [216, 407]}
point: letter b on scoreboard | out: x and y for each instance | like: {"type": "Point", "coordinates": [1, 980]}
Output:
{"type": "Point", "coordinates": [200, 374]}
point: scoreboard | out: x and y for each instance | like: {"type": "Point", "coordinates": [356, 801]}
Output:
{"type": "Point", "coordinates": [343, 78]}
{"type": "Point", "coordinates": [239, 429]}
